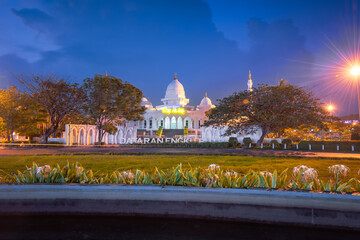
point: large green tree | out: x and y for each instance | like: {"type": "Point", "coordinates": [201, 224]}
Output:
{"type": "Point", "coordinates": [19, 113]}
{"type": "Point", "coordinates": [11, 109]}
{"type": "Point", "coordinates": [33, 118]}
{"type": "Point", "coordinates": [270, 109]}
{"type": "Point", "coordinates": [110, 101]}
{"type": "Point", "coordinates": [57, 97]}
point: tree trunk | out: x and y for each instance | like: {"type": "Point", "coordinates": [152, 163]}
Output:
{"type": "Point", "coordinates": [100, 136]}
{"type": "Point", "coordinates": [49, 131]}
{"type": "Point", "coordinates": [12, 135]}
{"type": "Point", "coordinates": [264, 132]}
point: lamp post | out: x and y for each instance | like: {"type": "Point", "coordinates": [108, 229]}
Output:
{"type": "Point", "coordinates": [355, 71]}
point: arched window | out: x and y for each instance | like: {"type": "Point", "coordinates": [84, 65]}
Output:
{"type": "Point", "coordinates": [167, 123]}
{"type": "Point", "coordinates": [150, 123]}
{"type": "Point", "coordinates": [179, 123]}
{"type": "Point", "coordinates": [173, 123]}
{"type": "Point", "coordinates": [187, 123]}
{"type": "Point", "coordinates": [144, 123]}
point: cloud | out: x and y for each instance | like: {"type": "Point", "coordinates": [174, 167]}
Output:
{"type": "Point", "coordinates": [279, 50]}
{"type": "Point", "coordinates": [36, 19]}
{"type": "Point", "coordinates": [145, 42]}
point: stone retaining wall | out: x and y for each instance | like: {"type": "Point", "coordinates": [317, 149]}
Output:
{"type": "Point", "coordinates": [279, 207]}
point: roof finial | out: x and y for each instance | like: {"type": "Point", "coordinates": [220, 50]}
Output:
{"type": "Point", "coordinates": [250, 83]}
{"type": "Point", "coordinates": [105, 73]}
{"type": "Point", "coordinates": [175, 78]}
{"type": "Point", "coordinates": [205, 94]}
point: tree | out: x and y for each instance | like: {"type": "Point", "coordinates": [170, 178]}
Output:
{"type": "Point", "coordinates": [55, 95]}
{"type": "Point", "coordinates": [109, 102]}
{"type": "Point", "coordinates": [33, 118]}
{"type": "Point", "coordinates": [19, 113]}
{"type": "Point", "coordinates": [11, 110]}
{"type": "Point", "coordinates": [4, 133]}
{"type": "Point", "coordinates": [355, 132]}
{"type": "Point", "coordinates": [268, 108]}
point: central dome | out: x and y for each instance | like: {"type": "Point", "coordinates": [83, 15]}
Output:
{"type": "Point", "coordinates": [175, 90]}
{"type": "Point", "coordinates": [175, 94]}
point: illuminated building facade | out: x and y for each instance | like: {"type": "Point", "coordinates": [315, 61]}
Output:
{"type": "Point", "coordinates": [173, 116]}
{"type": "Point", "coordinates": [174, 113]}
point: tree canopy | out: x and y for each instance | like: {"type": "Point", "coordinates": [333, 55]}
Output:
{"type": "Point", "coordinates": [57, 97]}
{"type": "Point", "coordinates": [110, 101]}
{"type": "Point", "coordinates": [19, 113]}
{"type": "Point", "coordinates": [270, 109]}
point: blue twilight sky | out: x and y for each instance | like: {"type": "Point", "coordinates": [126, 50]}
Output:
{"type": "Point", "coordinates": [211, 44]}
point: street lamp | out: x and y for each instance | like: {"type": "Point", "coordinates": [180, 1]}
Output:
{"type": "Point", "coordinates": [355, 71]}
{"type": "Point", "coordinates": [330, 108]}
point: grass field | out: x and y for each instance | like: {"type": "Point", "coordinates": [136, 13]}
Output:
{"type": "Point", "coordinates": [109, 163]}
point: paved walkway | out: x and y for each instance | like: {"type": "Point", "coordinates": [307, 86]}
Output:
{"type": "Point", "coordinates": [7, 151]}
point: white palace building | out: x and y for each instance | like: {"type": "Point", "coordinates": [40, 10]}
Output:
{"type": "Point", "coordinates": [173, 116]}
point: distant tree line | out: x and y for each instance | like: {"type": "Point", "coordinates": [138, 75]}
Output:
{"type": "Point", "coordinates": [49, 102]}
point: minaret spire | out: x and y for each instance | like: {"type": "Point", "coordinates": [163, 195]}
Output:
{"type": "Point", "coordinates": [105, 73]}
{"type": "Point", "coordinates": [250, 83]}
{"type": "Point", "coordinates": [175, 78]}
{"type": "Point", "coordinates": [205, 94]}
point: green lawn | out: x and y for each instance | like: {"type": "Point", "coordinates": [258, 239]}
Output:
{"type": "Point", "coordinates": [109, 163]}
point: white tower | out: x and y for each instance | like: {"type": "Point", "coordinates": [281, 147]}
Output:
{"type": "Point", "coordinates": [250, 83]}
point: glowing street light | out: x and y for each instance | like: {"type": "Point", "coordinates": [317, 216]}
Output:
{"type": "Point", "coordinates": [355, 71]}
{"type": "Point", "coordinates": [330, 108]}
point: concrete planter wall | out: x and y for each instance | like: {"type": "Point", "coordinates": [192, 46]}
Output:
{"type": "Point", "coordinates": [300, 208]}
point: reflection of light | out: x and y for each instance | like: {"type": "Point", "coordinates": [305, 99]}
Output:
{"type": "Point", "coordinates": [355, 71]}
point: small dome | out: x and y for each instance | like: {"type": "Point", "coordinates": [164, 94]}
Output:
{"type": "Point", "coordinates": [145, 102]}
{"type": "Point", "coordinates": [206, 102]}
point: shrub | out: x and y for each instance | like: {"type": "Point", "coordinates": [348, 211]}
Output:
{"type": "Point", "coordinates": [247, 141]}
{"type": "Point", "coordinates": [159, 131]}
{"type": "Point", "coordinates": [233, 142]}
{"type": "Point", "coordinates": [253, 145]}
{"type": "Point", "coordinates": [186, 131]}
{"type": "Point", "coordinates": [304, 178]}
{"type": "Point", "coordinates": [355, 136]}
{"type": "Point", "coordinates": [286, 141]}
{"type": "Point", "coordinates": [275, 142]}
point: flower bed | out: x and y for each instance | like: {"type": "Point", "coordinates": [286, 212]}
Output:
{"type": "Point", "coordinates": [301, 178]}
